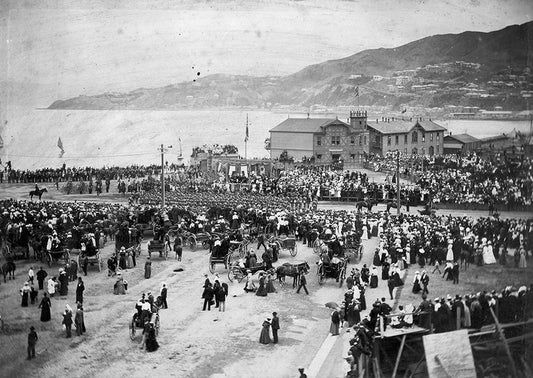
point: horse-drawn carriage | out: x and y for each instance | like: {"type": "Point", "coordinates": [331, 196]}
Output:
{"type": "Point", "coordinates": [353, 248]}
{"type": "Point", "coordinates": [201, 239]}
{"type": "Point", "coordinates": [219, 256]}
{"type": "Point", "coordinates": [90, 252]}
{"type": "Point", "coordinates": [284, 242]}
{"type": "Point", "coordinates": [136, 322]}
{"type": "Point", "coordinates": [163, 247]}
{"type": "Point", "coordinates": [335, 268]}
{"type": "Point", "coordinates": [238, 271]}
{"type": "Point", "coordinates": [57, 254]}
{"type": "Point", "coordinates": [16, 250]}
{"type": "Point", "coordinates": [291, 270]}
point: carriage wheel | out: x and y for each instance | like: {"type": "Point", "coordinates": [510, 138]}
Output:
{"type": "Point", "coordinates": [211, 265]}
{"type": "Point", "coordinates": [49, 259]}
{"type": "Point", "coordinates": [231, 275]}
{"type": "Point", "coordinates": [227, 261]}
{"type": "Point", "coordinates": [294, 250]}
{"type": "Point", "coordinates": [132, 330]}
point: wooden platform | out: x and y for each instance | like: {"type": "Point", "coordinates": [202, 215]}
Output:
{"type": "Point", "coordinates": [395, 332]}
{"type": "Point", "coordinates": [449, 355]}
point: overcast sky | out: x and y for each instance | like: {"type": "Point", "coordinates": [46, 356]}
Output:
{"type": "Point", "coordinates": [61, 49]}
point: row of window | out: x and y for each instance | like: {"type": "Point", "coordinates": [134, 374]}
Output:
{"type": "Point", "coordinates": [414, 138]}
{"type": "Point", "coordinates": [336, 140]}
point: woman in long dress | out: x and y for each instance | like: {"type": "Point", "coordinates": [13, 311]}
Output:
{"type": "Point", "coordinates": [151, 342]}
{"type": "Point", "coordinates": [63, 281]}
{"type": "Point", "coordinates": [79, 321]}
{"type": "Point", "coordinates": [261, 291]}
{"type": "Point", "coordinates": [488, 254]}
{"type": "Point", "coordinates": [335, 321]}
{"type": "Point", "coordinates": [374, 277]}
{"type": "Point", "coordinates": [249, 286]}
{"type": "Point", "coordinates": [416, 283]}
{"type": "Point", "coordinates": [264, 338]}
{"type": "Point", "coordinates": [147, 268]}
{"type": "Point", "coordinates": [45, 308]}
{"type": "Point", "coordinates": [25, 294]}
{"type": "Point", "coordinates": [270, 284]}
{"type": "Point", "coordinates": [119, 287]}
{"type": "Point", "coordinates": [523, 262]}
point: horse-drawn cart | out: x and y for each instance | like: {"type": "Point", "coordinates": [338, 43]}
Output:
{"type": "Point", "coordinates": [238, 271]}
{"type": "Point", "coordinates": [57, 255]}
{"type": "Point", "coordinates": [136, 322]}
{"type": "Point", "coordinates": [285, 243]}
{"type": "Point", "coordinates": [353, 248]}
{"type": "Point", "coordinates": [201, 239]}
{"type": "Point", "coordinates": [163, 247]}
{"type": "Point", "coordinates": [336, 268]}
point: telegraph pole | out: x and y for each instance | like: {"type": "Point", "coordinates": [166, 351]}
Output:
{"type": "Point", "coordinates": [398, 181]}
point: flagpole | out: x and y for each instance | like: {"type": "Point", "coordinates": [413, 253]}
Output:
{"type": "Point", "coordinates": [246, 140]}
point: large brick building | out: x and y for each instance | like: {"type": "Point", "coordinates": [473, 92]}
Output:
{"type": "Point", "coordinates": [326, 139]}
{"type": "Point", "coordinates": [419, 136]}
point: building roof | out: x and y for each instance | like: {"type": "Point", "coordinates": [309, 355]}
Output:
{"type": "Point", "coordinates": [463, 138]}
{"type": "Point", "coordinates": [392, 127]}
{"type": "Point", "coordinates": [430, 125]}
{"type": "Point", "coordinates": [402, 127]}
{"type": "Point", "coordinates": [305, 125]}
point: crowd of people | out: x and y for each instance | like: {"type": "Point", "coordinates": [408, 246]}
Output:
{"type": "Point", "coordinates": [500, 180]}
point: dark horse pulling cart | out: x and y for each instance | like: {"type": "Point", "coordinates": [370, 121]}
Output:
{"type": "Point", "coordinates": [291, 270]}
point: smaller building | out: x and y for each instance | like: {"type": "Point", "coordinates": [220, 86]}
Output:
{"type": "Point", "coordinates": [411, 137]}
{"type": "Point", "coordinates": [460, 144]}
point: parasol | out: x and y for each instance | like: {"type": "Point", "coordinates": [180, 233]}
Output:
{"type": "Point", "coordinates": [332, 305]}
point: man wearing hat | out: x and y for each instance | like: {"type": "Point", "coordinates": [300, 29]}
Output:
{"type": "Point", "coordinates": [302, 374]}
{"type": "Point", "coordinates": [32, 341]}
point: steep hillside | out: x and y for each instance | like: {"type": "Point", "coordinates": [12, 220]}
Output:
{"type": "Point", "coordinates": [329, 82]}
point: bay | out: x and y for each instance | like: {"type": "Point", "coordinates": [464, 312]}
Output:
{"type": "Point", "coordinates": [122, 137]}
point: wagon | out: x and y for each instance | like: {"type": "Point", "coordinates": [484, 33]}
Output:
{"type": "Point", "coordinates": [285, 243]}
{"type": "Point", "coordinates": [91, 259]}
{"type": "Point", "coordinates": [202, 239]}
{"type": "Point", "coordinates": [335, 269]}
{"type": "Point", "coordinates": [57, 255]}
{"type": "Point", "coordinates": [217, 256]}
{"type": "Point", "coordinates": [162, 247]}
{"type": "Point", "coordinates": [136, 323]}
{"type": "Point", "coordinates": [353, 248]}
{"type": "Point", "coordinates": [238, 271]}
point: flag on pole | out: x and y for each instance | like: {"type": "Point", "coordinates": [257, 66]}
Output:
{"type": "Point", "coordinates": [357, 91]}
{"type": "Point", "coordinates": [60, 145]}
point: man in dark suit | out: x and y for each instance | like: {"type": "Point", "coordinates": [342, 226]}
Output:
{"type": "Point", "coordinates": [303, 282]}
{"type": "Point", "coordinates": [275, 326]}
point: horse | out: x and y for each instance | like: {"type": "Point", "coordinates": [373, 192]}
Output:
{"type": "Point", "coordinates": [290, 270]}
{"type": "Point", "coordinates": [365, 203]}
{"type": "Point", "coordinates": [394, 205]}
{"type": "Point", "coordinates": [8, 270]}
{"type": "Point", "coordinates": [38, 193]}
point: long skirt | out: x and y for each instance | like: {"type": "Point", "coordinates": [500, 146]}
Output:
{"type": "Point", "coordinates": [373, 281]}
{"type": "Point", "coordinates": [334, 329]}
{"type": "Point", "coordinates": [264, 338]}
